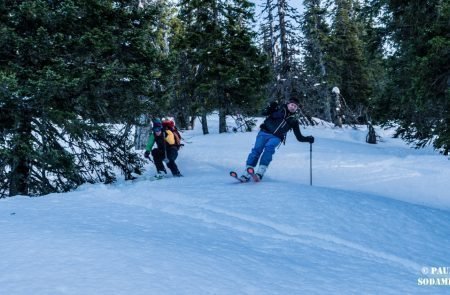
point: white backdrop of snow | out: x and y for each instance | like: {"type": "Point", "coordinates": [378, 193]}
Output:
{"type": "Point", "coordinates": [374, 217]}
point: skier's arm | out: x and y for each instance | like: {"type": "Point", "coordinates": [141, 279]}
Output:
{"type": "Point", "coordinates": [150, 142]}
{"type": "Point", "coordinates": [298, 134]}
{"type": "Point", "coordinates": [170, 138]}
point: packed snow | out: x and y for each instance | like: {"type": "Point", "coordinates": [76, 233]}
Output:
{"type": "Point", "coordinates": [375, 221]}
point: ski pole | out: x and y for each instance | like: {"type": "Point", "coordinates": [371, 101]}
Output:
{"type": "Point", "coordinates": [310, 164]}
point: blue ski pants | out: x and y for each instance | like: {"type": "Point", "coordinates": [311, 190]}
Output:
{"type": "Point", "coordinates": [265, 144]}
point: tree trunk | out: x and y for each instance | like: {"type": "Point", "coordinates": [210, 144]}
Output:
{"type": "Point", "coordinates": [20, 169]}
{"type": "Point", "coordinates": [283, 38]}
{"type": "Point", "coordinates": [192, 122]}
{"type": "Point", "coordinates": [338, 111]}
{"type": "Point", "coordinates": [142, 132]}
{"type": "Point", "coordinates": [222, 120]}
{"type": "Point", "coordinates": [272, 52]}
{"type": "Point", "coordinates": [141, 136]}
{"type": "Point", "coordinates": [205, 123]}
{"type": "Point", "coordinates": [327, 105]}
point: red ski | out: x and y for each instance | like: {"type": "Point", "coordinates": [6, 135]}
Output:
{"type": "Point", "coordinates": [256, 177]}
{"type": "Point", "coordinates": [235, 175]}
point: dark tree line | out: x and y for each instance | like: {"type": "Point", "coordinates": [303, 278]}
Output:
{"type": "Point", "coordinates": [77, 77]}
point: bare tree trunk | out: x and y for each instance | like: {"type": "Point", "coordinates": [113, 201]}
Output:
{"type": "Point", "coordinates": [272, 51]}
{"type": "Point", "coordinates": [192, 122]}
{"type": "Point", "coordinates": [222, 120]}
{"type": "Point", "coordinates": [141, 136]}
{"type": "Point", "coordinates": [327, 105]}
{"type": "Point", "coordinates": [141, 133]}
{"type": "Point", "coordinates": [283, 38]}
{"type": "Point", "coordinates": [20, 169]}
{"type": "Point", "coordinates": [205, 123]}
{"type": "Point", "coordinates": [19, 175]}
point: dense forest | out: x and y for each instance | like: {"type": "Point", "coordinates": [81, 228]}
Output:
{"type": "Point", "coordinates": [78, 77]}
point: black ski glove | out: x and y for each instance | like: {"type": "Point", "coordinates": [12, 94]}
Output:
{"type": "Point", "coordinates": [310, 139]}
{"type": "Point", "coordinates": [147, 154]}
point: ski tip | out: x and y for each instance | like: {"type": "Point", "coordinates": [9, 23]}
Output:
{"type": "Point", "coordinates": [233, 174]}
{"type": "Point", "coordinates": [250, 170]}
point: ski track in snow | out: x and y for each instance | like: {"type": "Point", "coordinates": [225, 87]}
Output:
{"type": "Point", "coordinates": [265, 228]}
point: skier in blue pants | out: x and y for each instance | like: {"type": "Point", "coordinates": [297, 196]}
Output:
{"type": "Point", "coordinates": [279, 120]}
{"type": "Point", "coordinates": [265, 144]}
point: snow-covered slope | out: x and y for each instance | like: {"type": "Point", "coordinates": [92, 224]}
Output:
{"type": "Point", "coordinates": [375, 221]}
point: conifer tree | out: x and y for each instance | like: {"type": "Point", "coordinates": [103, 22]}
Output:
{"type": "Point", "coordinates": [418, 94]}
{"type": "Point", "coordinates": [315, 44]}
{"type": "Point", "coordinates": [242, 70]}
{"type": "Point", "coordinates": [373, 36]}
{"type": "Point", "coordinates": [347, 66]}
{"type": "Point", "coordinates": [196, 45]}
{"type": "Point", "coordinates": [226, 71]}
{"type": "Point", "coordinates": [68, 69]}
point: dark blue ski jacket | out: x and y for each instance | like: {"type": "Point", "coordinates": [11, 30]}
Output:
{"type": "Point", "coordinates": [279, 121]}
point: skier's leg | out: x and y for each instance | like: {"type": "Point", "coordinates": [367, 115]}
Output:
{"type": "Point", "coordinates": [172, 155]}
{"type": "Point", "coordinates": [257, 149]}
{"type": "Point", "coordinates": [261, 170]}
{"type": "Point", "coordinates": [158, 157]}
{"type": "Point", "coordinates": [267, 155]}
{"type": "Point", "coordinates": [255, 154]}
